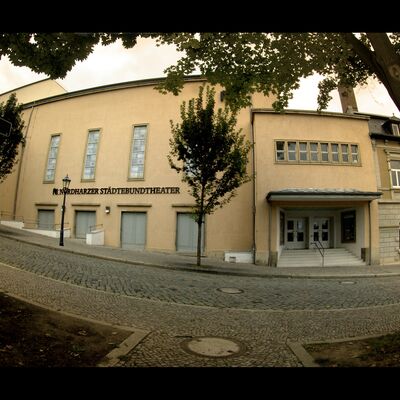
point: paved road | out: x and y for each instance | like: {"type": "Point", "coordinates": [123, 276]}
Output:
{"type": "Point", "coordinates": [175, 305]}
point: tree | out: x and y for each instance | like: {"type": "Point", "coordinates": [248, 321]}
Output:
{"type": "Point", "coordinates": [9, 143]}
{"type": "Point", "coordinates": [241, 62]}
{"type": "Point", "coordinates": [211, 153]}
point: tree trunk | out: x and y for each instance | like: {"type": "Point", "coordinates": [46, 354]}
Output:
{"type": "Point", "coordinates": [199, 226]}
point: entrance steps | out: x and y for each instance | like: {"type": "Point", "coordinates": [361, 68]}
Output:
{"type": "Point", "coordinates": [312, 258]}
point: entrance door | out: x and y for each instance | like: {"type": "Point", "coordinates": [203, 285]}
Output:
{"type": "Point", "coordinates": [320, 231]}
{"type": "Point", "coordinates": [83, 221]}
{"type": "Point", "coordinates": [295, 233]}
{"type": "Point", "coordinates": [133, 230]}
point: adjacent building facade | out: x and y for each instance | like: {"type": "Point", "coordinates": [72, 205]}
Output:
{"type": "Point", "coordinates": [319, 179]}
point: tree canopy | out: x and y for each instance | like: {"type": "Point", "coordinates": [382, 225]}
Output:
{"type": "Point", "coordinates": [9, 141]}
{"type": "Point", "coordinates": [211, 154]}
{"type": "Point", "coordinates": [241, 62]}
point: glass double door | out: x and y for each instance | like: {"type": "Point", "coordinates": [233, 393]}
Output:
{"type": "Point", "coordinates": [296, 232]}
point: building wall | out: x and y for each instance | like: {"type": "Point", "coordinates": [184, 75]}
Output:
{"type": "Point", "coordinates": [389, 204]}
{"type": "Point", "coordinates": [115, 112]}
{"type": "Point", "coordinates": [35, 91]}
{"type": "Point", "coordinates": [305, 126]}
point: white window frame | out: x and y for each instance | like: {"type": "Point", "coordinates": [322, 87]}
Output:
{"type": "Point", "coordinates": [138, 154]}
{"type": "Point", "coordinates": [51, 146]}
{"type": "Point", "coordinates": [92, 162]}
{"type": "Point", "coordinates": [397, 173]}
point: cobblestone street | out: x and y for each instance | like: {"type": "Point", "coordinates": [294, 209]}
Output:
{"type": "Point", "coordinates": [173, 305]}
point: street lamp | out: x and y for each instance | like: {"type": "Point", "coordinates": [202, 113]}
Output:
{"type": "Point", "coordinates": [66, 181]}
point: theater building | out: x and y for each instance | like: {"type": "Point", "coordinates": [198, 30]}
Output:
{"type": "Point", "coordinates": [314, 190]}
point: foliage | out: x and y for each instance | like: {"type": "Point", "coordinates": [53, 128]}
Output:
{"type": "Point", "coordinates": [244, 63]}
{"type": "Point", "coordinates": [241, 62]}
{"type": "Point", "coordinates": [210, 152]}
{"type": "Point", "coordinates": [10, 111]}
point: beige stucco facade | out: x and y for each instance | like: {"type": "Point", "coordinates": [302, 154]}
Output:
{"type": "Point", "coordinates": [256, 222]}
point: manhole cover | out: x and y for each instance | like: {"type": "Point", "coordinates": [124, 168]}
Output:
{"type": "Point", "coordinates": [212, 346]}
{"type": "Point", "coordinates": [230, 290]}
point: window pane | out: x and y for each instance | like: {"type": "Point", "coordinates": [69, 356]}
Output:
{"type": "Point", "coordinates": [354, 153]}
{"type": "Point", "coordinates": [303, 151]}
{"type": "Point", "coordinates": [345, 152]}
{"type": "Point", "coordinates": [91, 155]}
{"type": "Point", "coordinates": [324, 151]}
{"type": "Point", "coordinates": [395, 164]}
{"type": "Point", "coordinates": [314, 151]}
{"type": "Point", "coordinates": [52, 158]}
{"type": "Point", "coordinates": [292, 151]}
{"type": "Point", "coordinates": [138, 152]}
{"type": "Point", "coordinates": [335, 152]}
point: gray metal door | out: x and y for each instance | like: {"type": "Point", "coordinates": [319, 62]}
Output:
{"type": "Point", "coordinates": [186, 234]}
{"type": "Point", "coordinates": [133, 230]}
{"type": "Point", "coordinates": [46, 219]}
{"type": "Point", "coordinates": [83, 221]}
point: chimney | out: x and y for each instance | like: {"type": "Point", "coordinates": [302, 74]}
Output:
{"type": "Point", "coordinates": [347, 99]}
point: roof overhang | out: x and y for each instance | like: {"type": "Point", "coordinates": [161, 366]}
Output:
{"type": "Point", "coordinates": [322, 195]}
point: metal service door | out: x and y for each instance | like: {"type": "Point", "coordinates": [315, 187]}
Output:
{"type": "Point", "coordinates": [186, 233]}
{"type": "Point", "coordinates": [295, 233]}
{"type": "Point", "coordinates": [46, 219]}
{"type": "Point", "coordinates": [133, 230]}
{"type": "Point", "coordinates": [83, 221]}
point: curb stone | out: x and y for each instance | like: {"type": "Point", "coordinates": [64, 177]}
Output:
{"type": "Point", "coordinates": [304, 357]}
{"type": "Point", "coordinates": [114, 356]}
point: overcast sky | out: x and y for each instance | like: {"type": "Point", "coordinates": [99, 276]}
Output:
{"type": "Point", "coordinates": [113, 64]}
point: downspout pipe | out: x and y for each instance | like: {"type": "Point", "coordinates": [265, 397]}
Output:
{"type": "Point", "coordinates": [254, 187]}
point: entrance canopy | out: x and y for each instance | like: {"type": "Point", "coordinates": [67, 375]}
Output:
{"type": "Point", "coordinates": [321, 195]}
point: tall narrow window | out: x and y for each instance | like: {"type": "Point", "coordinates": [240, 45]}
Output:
{"type": "Point", "coordinates": [345, 152]}
{"type": "Point", "coordinates": [335, 152]}
{"type": "Point", "coordinates": [395, 171]}
{"type": "Point", "coordinates": [303, 151]}
{"type": "Point", "coordinates": [91, 155]}
{"type": "Point", "coordinates": [314, 151]}
{"type": "Point", "coordinates": [354, 153]}
{"type": "Point", "coordinates": [136, 170]}
{"type": "Point", "coordinates": [52, 158]}
{"type": "Point", "coordinates": [324, 152]}
{"type": "Point", "coordinates": [292, 151]}
{"type": "Point", "coordinates": [280, 151]}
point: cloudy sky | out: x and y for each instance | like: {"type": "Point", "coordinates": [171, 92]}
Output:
{"type": "Point", "coordinates": [114, 63]}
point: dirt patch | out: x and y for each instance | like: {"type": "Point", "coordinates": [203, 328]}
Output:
{"type": "Point", "coordinates": [32, 336]}
{"type": "Point", "coordinates": [381, 351]}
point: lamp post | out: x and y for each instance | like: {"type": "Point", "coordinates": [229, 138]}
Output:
{"type": "Point", "coordinates": [66, 182]}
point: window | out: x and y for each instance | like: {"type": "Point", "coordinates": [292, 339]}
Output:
{"type": "Point", "coordinates": [335, 152]}
{"type": "Point", "coordinates": [348, 226]}
{"type": "Point", "coordinates": [91, 154]}
{"type": "Point", "coordinates": [280, 151]}
{"type": "Point", "coordinates": [314, 151]}
{"type": "Point", "coordinates": [292, 151]}
{"type": "Point", "coordinates": [354, 153]}
{"type": "Point", "coordinates": [345, 152]}
{"type": "Point", "coordinates": [395, 172]}
{"type": "Point", "coordinates": [303, 151]}
{"type": "Point", "coordinates": [324, 152]}
{"type": "Point", "coordinates": [136, 170]}
{"type": "Point", "coordinates": [395, 130]}
{"type": "Point", "coordinates": [317, 152]}
{"type": "Point", "coordinates": [52, 158]}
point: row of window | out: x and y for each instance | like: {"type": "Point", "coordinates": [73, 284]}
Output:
{"type": "Point", "coordinates": [136, 165]}
{"type": "Point", "coordinates": [316, 152]}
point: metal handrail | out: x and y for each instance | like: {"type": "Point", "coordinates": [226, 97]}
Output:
{"type": "Point", "coordinates": [95, 227]}
{"type": "Point", "coordinates": [321, 250]}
